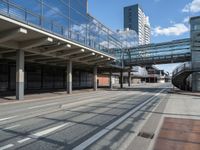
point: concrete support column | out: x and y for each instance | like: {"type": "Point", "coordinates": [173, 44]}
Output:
{"type": "Point", "coordinates": [121, 79]}
{"type": "Point", "coordinates": [129, 79]}
{"type": "Point", "coordinates": [195, 49]}
{"type": "Point", "coordinates": [110, 85]}
{"type": "Point", "coordinates": [20, 75]}
{"type": "Point", "coordinates": [95, 78]}
{"type": "Point", "coordinates": [69, 76]}
{"type": "Point", "coordinates": [196, 82]}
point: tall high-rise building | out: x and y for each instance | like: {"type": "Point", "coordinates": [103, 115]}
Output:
{"type": "Point", "coordinates": [135, 19]}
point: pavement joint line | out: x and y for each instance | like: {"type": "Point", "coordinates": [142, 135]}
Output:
{"type": "Point", "coordinates": [44, 132]}
{"type": "Point", "coordinates": [8, 118]}
{"type": "Point", "coordinates": [101, 133]}
{"type": "Point", "coordinates": [6, 146]}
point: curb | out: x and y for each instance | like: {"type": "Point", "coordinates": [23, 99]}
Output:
{"type": "Point", "coordinates": [38, 99]}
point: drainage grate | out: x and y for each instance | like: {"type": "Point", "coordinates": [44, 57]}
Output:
{"type": "Point", "coordinates": [146, 135]}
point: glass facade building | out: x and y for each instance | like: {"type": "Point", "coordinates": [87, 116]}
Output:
{"type": "Point", "coordinates": [66, 18]}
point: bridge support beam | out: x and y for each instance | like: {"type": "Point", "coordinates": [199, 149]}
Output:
{"type": "Point", "coordinates": [195, 49]}
{"type": "Point", "coordinates": [111, 86]}
{"type": "Point", "coordinates": [196, 82]}
{"type": "Point", "coordinates": [95, 78]}
{"type": "Point", "coordinates": [129, 78]}
{"type": "Point", "coordinates": [69, 77]}
{"type": "Point", "coordinates": [20, 75]}
{"type": "Point", "coordinates": [121, 79]}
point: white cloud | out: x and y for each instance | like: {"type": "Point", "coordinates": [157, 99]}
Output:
{"type": "Point", "coordinates": [186, 19]}
{"type": "Point", "coordinates": [172, 22]}
{"type": "Point", "coordinates": [175, 30]}
{"type": "Point", "coordinates": [192, 7]}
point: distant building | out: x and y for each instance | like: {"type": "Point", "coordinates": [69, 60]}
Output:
{"type": "Point", "coordinates": [135, 19]}
{"type": "Point", "coordinates": [156, 75]}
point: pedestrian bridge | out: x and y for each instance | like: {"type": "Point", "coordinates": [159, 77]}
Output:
{"type": "Point", "coordinates": [162, 53]}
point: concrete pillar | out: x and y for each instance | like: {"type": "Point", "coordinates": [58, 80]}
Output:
{"type": "Point", "coordinates": [121, 79]}
{"type": "Point", "coordinates": [196, 82]}
{"type": "Point", "coordinates": [69, 77]}
{"type": "Point", "coordinates": [195, 40]}
{"type": "Point", "coordinates": [110, 80]}
{"type": "Point", "coordinates": [95, 78]}
{"type": "Point", "coordinates": [20, 75]}
{"type": "Point", "coordinates": [129, 79]}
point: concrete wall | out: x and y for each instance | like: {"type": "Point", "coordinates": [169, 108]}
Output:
{"type": "Point", "coordinates": [195, 49]}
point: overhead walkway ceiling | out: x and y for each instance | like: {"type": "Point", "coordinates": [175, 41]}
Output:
{"type": "Point", "coordinates": [42, 47]}
{"type": "Point", "coordinates": [162, 53]}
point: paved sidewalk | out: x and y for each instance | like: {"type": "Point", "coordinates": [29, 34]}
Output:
{"type": "Point", "coordinates": [180, 108]}
{"type": "Point", "coordinates": [179, 134]}
{"type": "Point", "coordinates": [177, 91]}
{"type": "Point", "coordinates": [177, 107]}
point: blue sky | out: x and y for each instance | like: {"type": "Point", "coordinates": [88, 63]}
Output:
{"type": "Point", "coordinates": [168, 18]}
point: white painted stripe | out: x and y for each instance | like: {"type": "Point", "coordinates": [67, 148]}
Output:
{"type": "Point", "coordinates": [3, 119]}
{"type": "Point", "coordinates": [40, 106]}
{"type": "Point", "coordinates": [12, 127]}
{"type": "Point", "coordinates": [23, 140]}
{"type": "Point", "coordinates": [101, 133]}
{"type": "Point", "coordinates": [45, 132]}
{"type": "Point", "coordinates": [6, 146]}
{"type": "Point", "coordinates": [42, 133]}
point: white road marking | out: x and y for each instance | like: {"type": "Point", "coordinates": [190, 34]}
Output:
{"type": "Point", "coordinates": [45, 132]}
{"type": "Point", "coordinates": [101, 133]}
{"type": "Point", "coordinates": [12, 127]}
{"type": "Point", "coordinates": [6, 146]}
{"type": "Point", "coordinates": [42, 133]}
{"type": "Point", "coordinates": [40, 106]}
{"type": "Point", "coordinates": [23, 140]}
{"type": "Point", "coordinates": [4, 119]}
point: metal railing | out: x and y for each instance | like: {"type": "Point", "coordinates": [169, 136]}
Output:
{"type": "Point", "coordinates": [187, 66]}
{"type": "Point", "coordinates": [26, 16]}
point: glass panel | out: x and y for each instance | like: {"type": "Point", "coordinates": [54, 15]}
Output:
{"type": "Point", "coordinates": [67, 18]}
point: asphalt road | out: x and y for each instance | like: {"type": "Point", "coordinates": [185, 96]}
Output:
{"type": "Point", "coordinates": [94, 120]}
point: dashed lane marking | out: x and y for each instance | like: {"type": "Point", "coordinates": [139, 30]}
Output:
{"type": "Point", "coordinates": [8, 118]}
{"type": "Point", "coordinates": [6, 146]}
{"type": "Point", "coordinates": [12, 127]}
{"type": "Point", "coordinates": [44, 132]}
